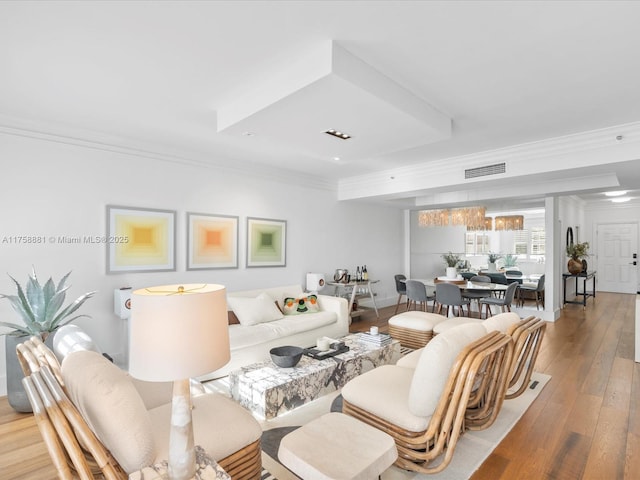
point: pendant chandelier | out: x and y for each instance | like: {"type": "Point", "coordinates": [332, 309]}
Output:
{"type": "Point", "coordinates": [510, 222]}
{"type": "Point", "coordinates": [471, 217]}
{"type": "Point", "coordinates": [487, 225]}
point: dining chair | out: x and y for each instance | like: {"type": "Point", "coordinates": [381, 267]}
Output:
{"type": "Point", "coordinates": [449, 294]}
{"type": "Point", "coordinates": [514, 276]}
{"type": "Point", "coordinates": [417, 293]}
{"type": "Point", "coordinates": [477, 295]}
{"type": "Point", "coordinates": [537, 291]}
{"type": "Point", "coordinates": [401, 289]}
{"type": "Point", "coordinates": [504, 302]}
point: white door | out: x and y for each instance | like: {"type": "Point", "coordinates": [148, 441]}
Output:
{"type": "Point", "coordinates": [617, 242]}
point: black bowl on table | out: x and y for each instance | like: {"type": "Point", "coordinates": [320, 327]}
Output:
{"type": "Point", "coordinates": [286, 356]}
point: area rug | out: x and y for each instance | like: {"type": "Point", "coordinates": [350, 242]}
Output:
{"type": "Point", "coordinates": [472, 448]}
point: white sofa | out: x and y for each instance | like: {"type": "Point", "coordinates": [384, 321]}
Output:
{"type": "Point", "coordinates": [251, 343]}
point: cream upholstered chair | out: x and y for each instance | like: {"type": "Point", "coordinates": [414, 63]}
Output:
{"type": "Point", "coordinates": [423, 409]}
{"type": "Point", "coordinates": [92, 395]}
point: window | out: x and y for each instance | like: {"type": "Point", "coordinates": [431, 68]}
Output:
{"type": "Point", "coordinates": [537, 241]}
{"type": "Point", "coordinates": [521, 242]}
{"type": "Point", "coordinates": [529, 243]}
{"type": "Point", "coordinates": [476, 243]}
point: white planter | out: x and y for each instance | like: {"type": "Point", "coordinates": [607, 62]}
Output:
{"type": "Point", "coordinates": [492, 267]}
{"type": "Point", "coordinates": [452, 272]}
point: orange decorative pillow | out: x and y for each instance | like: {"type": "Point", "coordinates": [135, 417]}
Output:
{"type": "Point", "coordinates": [297, 306]}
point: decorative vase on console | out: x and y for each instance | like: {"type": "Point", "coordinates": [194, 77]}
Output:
{"type": "Point", "coordinates": [493, 258]}
{"type": "Point", "coordinates": [451, 259]}
{"type": "Point", "coordinates": [577, 252]}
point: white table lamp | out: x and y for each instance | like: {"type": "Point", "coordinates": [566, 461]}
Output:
{"type": "Point", "coordinates": [178, 332]}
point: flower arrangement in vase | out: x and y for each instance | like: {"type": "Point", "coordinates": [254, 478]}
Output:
{"type": "Point", "coordinates": [451, 259]}
{"type": "Point", "coordinates": [577, 252]}
{"type": "Point", "coordinates": [493, 258]}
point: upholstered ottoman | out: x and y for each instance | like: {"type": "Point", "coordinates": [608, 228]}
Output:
{"type": "Point", "coordinates": [414, 329]}
{"type": "Point", "coordinates": [337, 446]}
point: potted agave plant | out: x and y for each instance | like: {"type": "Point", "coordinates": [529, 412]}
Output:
{"type": "Point", "coordinates": [41, 309]}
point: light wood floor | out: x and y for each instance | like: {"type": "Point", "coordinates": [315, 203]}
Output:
{"type": "Point", "coordinates": [585, 423]}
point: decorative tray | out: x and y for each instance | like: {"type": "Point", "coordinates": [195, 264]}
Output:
{"type": "Point", "coordinates": [321, 355]}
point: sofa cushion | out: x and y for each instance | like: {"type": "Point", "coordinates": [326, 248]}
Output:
{"type": "Point", "coordinates": [251, 311]}
{"type": "Point", "coordinates": [292, 324]}
{"type": "Point", "coordinates": [111, 406]}
{"type": "Point", "coordinates": [501, 322]}
{"type": "Point", "coordinates": [433, 368]}
{"type": "Point", "coordinates": [384, 392]}
{"type": "Point", "coordinates": [300, 305]}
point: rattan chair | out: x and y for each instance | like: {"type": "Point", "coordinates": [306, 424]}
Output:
{"type": "Point", "coordinates": [72, 445]}
{"type": "Point", "coordinates": [484, 361]}
{"type": "Point", "coordinates": [527, 337]}
{"type": "Point", "coordinates": [484, 403]}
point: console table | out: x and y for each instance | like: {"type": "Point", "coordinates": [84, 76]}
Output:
{"type": "Point", "coordinates": [585, 294]}
{"type": "Point", "coordinates": [364, 286]}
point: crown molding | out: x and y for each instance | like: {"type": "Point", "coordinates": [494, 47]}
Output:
{"type": "Point", "coordinates": [621, 143]}
{"type": "Point", "coordinates": [106, 143]}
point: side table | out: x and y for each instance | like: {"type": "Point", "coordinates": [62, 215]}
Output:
{"type": "Point", "coordinates": [590, 275]}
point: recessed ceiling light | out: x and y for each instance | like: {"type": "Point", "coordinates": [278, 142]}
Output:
{"type": "Point", "coordinates": [337, 159]}
{"type": "Point", "coordinates": [616, 193]}
{"type": "Point", "coordinates": [338, 134]}
{"type": "Point", "coordinates": [620, 199]}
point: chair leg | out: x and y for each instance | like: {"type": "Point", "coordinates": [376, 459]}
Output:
{"type": "Point", "coordinates": [397, 304]}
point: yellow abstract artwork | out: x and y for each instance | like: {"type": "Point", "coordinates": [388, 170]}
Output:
{"type": "Point", "coordinates": [140, 240]}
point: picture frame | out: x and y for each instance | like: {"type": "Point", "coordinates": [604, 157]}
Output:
{"type": "Point", "coordinates": [212, 241]}
{"type": "Point", "coordinates": [140, 240]}
{"type": "Point", "coordinates": [266, 242]}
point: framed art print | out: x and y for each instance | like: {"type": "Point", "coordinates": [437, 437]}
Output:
{"type": "Point", "coordinates": [266, 242]}
{"type": "Point", "coordinates": [140, 240]}
{"type": "Point", "coordinates": [212, 241]}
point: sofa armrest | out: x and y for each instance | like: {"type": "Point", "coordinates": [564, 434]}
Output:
{"type": "Point", "coordinates": [339, 306]}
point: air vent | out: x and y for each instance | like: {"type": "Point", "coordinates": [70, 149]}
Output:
{"type": "Point", "coordinates": [487, 170]}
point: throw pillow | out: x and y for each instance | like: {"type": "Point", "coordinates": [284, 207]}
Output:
{"type": "Point", "coordinates": [297, 306]}
{"type": "Point", "coordinates": [251, 311]}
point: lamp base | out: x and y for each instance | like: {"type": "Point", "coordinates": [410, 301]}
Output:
{"type": "Point", "coordinates": [182, 454]}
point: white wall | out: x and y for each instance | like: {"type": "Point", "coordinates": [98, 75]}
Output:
{"type": "Point", "coordinates": [50, 188]}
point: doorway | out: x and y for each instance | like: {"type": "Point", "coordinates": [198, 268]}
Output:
{"type": "Point", "coordinates": [617, 244]}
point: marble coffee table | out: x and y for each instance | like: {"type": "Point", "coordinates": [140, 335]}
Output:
{"type": "Point", "coordinates": [269, 391]}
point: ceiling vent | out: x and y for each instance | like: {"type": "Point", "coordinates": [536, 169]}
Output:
{"type": "Point", "coordinates": [486, 170]}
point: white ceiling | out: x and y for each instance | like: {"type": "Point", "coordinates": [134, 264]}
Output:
{"type": "Point", "coordinates": [156, 76]}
